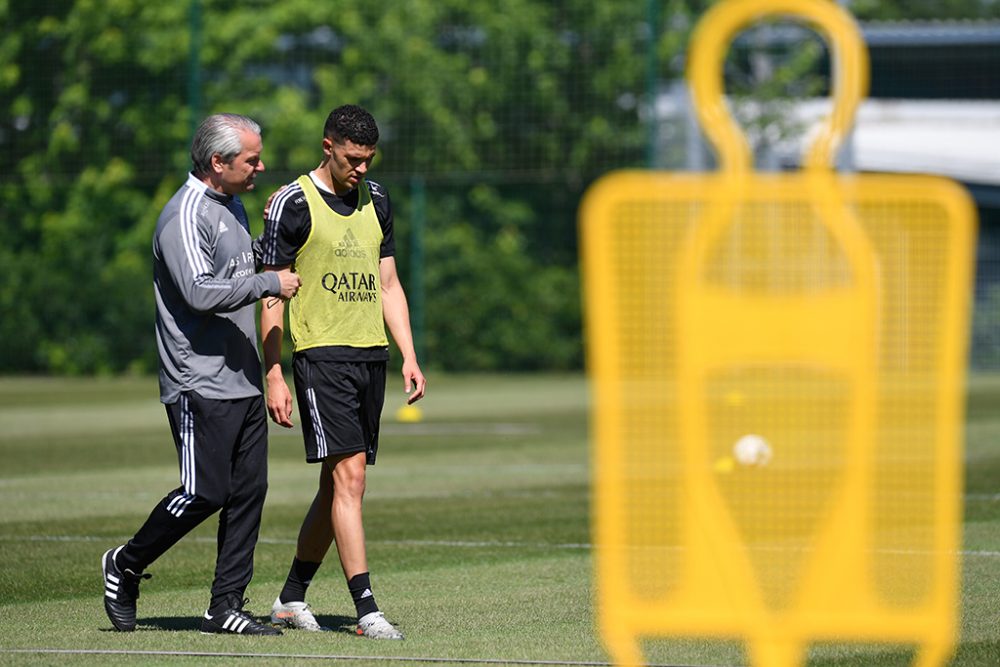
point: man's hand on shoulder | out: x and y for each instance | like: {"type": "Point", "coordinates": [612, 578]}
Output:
{"type": "Point", "coordinates": [270, 199]}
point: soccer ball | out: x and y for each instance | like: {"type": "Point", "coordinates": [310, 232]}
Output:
{"type": "Point", "coordinates": [752, 450]}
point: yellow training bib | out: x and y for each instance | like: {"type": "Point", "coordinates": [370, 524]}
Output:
{"type": "Point", "coordinates": [340, 300]}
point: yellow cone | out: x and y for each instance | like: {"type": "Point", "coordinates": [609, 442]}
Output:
{"type": "Point", "coordinates": [409, 414]}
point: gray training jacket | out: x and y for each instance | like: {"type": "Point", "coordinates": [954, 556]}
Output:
{"type": "Point", "coordinates": [206, 284]}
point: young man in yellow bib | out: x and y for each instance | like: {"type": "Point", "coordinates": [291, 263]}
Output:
{"type": "Point", "coordinates": [336, 228]}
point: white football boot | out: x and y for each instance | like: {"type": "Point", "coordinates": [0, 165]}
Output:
{"type": "Point", "coordinates": [295, 615]}
{"type": "Point", "coordinates": [374, 626]}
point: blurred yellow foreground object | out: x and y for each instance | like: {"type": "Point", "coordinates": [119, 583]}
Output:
{"type": "Point", "coordinates": [777, 366]}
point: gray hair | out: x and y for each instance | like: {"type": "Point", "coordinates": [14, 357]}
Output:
{"type": "Point", "coordinates": [219, 133]}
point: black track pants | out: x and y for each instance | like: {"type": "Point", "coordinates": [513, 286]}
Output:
{"type": "Point", "coordinates": [222, 451]}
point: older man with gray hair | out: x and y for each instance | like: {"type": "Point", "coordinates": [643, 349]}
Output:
{"type": "Point", "coordinates": [206, 283]}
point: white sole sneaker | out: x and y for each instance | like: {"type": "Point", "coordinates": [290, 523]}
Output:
{"type": "Point", "coordinates": [374, 626]}
{"type": "Point", "coordinates": [295, 615]}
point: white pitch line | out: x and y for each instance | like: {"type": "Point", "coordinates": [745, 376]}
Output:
{"type": "Point", "coordinates": [308, 656]}
{"type": "Point", "coordinates": [265, 540]}
{"type": "Point", "coordinates": [470, 544]}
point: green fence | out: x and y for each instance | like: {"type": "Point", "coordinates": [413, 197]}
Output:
{"type": "Point", "coordinates": [495, 117]}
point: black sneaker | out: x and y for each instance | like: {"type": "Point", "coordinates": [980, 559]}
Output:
{"type": "Point", "coordinates": [235, 621]}
{"type": "Point", "coordinates": [121, 590]}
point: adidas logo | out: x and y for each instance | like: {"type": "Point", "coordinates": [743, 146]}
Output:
{"type": "Point", "coordinates": [222, 227]}
{"type": "Point", "coordinates": [366, 594]}
{"type": "Point", "coordinates": [349, 247]}
{"type": "Point", "coordinates": [349, 239]}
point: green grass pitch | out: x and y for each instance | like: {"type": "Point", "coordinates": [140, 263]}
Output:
{"type": "Point", "coordinates": [477, 525]}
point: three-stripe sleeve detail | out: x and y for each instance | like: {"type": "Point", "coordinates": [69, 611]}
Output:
{"type": "Point", "coordinates": [270, 256]}
{"type": "Point", "coordinates": [202, 272]}
{"type": "Point", "coordinates": [188, 220]}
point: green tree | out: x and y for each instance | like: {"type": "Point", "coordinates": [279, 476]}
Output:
{"type": "Point", "coordinates": [92, 97]}
{"type": "Point", "coordinates": [506, 111]}
{"type": "Point", "coordinates": [922, 10]}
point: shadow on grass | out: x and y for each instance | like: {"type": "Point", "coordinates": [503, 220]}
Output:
{"type": "Point", "coordinates": [339, 623]}
{"type": "Point", "coordinates": [345, 624]}
{"type": "Point", "coordinates": [172, 623]}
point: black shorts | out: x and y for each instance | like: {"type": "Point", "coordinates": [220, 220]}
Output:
{"type": "Point", "coordinates": [340, 405]}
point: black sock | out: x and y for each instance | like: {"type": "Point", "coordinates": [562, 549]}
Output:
{"type": "Point", "coordinates": [361, 591]}
{"type": "Point", "coordinates": [299, 578]}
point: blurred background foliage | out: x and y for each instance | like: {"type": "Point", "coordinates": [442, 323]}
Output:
{"type": "Point", "coordinates": [495, 116]}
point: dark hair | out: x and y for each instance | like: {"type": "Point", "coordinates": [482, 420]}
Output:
{"type": "Point", "coordinates": [353, 123]}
